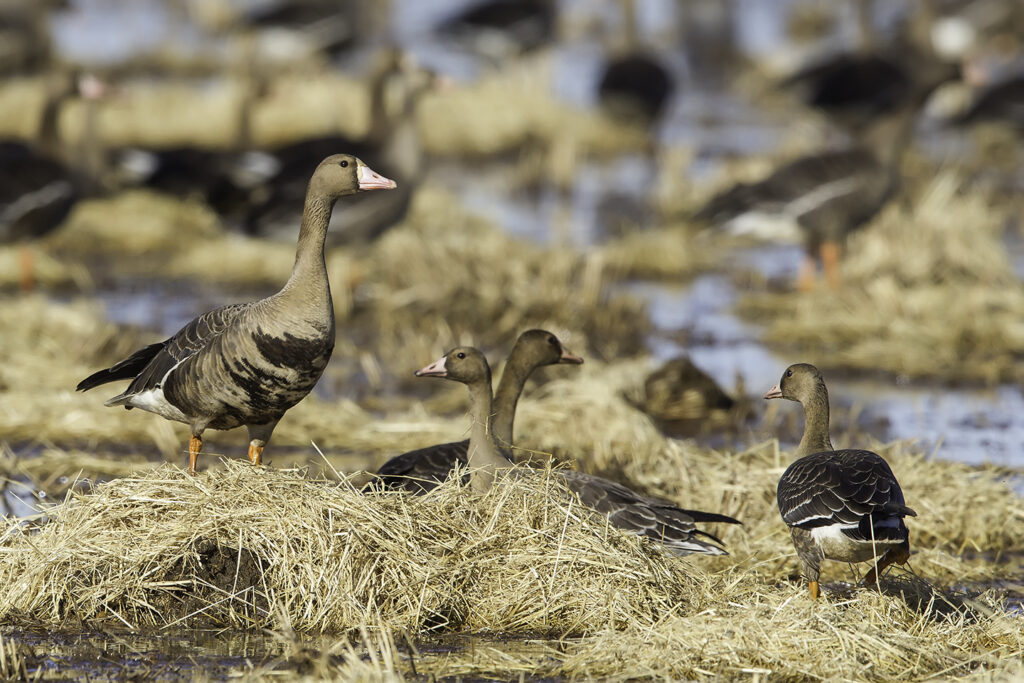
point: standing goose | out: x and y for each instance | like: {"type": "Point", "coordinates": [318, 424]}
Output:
{"type": "Point", "coordinates": [839, 505]}
{"type": "Point", "coordinates": [673, 527]}
{"type": "Point", "coordinates": [422, 470]}
{"type": "Point", "coordinates": [247, 364]}
{"type": "Point", "coordinates": [821, 198]}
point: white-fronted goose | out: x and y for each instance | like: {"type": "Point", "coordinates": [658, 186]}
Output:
{"type": "Point", "coordinates": [672, 527]}
{"type": "Point", "coordinates": [247, 364]}
{"type": "Point", "coordinates": [38, 184]}
{"type": "Point", "coordinates": [423, 469]}
{"type": "Point", "coordinates": [839, 505]}
{"type": "Point", "coordinates": [821, 198]}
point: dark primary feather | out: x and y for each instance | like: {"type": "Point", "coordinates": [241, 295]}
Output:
{"type": "Point", "coordinates": [165, 355]}
{"type": "Point", "coordinates": [125, 369]}
{"type": "Point", "coordinates": [656, 519]}
{"type": "Point", "coordinates": [840, 487]}
{"type": "Point", "coordinates": [424, 469]}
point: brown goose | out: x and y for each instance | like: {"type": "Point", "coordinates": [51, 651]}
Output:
{"type": "Point", "coordinates": [674, 528]}
{"type": "Point", "coordinates": [422, 470]}
{"type": "Point", "coordinates": [247, 364]}
{"type": "Point", "coordinates": [839, 505]}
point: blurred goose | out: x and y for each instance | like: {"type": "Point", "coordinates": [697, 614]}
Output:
{"type": "Point", "coordinates": [680, 396]}
{"type": "Point", "coordinates": [820, 199]}
{"type": "Point", "coordinates": [422, 470]}
{"type": "Point", "coordinates": [499, 29]}
{"type": "Point", "coordinates": [392, 146]}
{"type": "Point", "coordinates": [635, 84]}
{"type": "Point", "coordinates": [39, 184]}
{"type": "Point", "coordinates": [839, 505]}
{"type": "Point", "coordinates": [672, 527]}
{"type": "Point", "coordinates": [247, 364]}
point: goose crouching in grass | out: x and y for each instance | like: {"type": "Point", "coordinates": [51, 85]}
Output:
{"type": "Point", "coordinates": [672, 527]}
{"type": "Point", "coordinates": [247, 364]}
{"type": "Point", "coordinates": [423, 469]}
{"type": "Point", "coordinates": [839, 505]}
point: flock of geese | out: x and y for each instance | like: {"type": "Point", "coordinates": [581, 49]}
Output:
{"type": "Point", "coordinates": [247, 364]}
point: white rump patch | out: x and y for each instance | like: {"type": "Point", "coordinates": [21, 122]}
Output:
{"type": "Point", "coordinates": [153, 401]}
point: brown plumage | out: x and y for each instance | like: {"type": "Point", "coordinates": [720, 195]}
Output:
{"type": "Point", "coordinates": [247, 364]}
{"type": "Point", "coordinates": [672, 527]}
{"type": "Point", "coordinates": [423, 469]}
{"type": "Point", "coordinates": [839, 505]}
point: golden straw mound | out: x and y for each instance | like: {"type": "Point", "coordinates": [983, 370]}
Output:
{"type": "Point", "coordinates": [504, 110]}
{"type": "Point", "coordinates": [273, 548]}
{"type": "Point", "coordinates": [446, 276]}
{"type": "Point", "coordinates": [929, 294]}
{"type": "Point", "coordinates": [138, 223]}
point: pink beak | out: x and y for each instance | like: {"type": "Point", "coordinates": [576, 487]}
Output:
{"type": "Point", "coordinates": [570, 358]}
{"type": "Point", "coordinates": [435, 369]}
{"type": "Point", "coordinates": [774, 392]}
{"type": "Point", "coordinates": [371, 180]}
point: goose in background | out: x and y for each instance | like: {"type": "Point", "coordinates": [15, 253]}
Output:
{"type": "Point", "coordinates": [841, 505]}
{"type": "Point", "coordinates": [40, 181]}
{"type": "Point", "coordinates": [635, 84]}
{"type": "Point", "coordinates": [499, 29]}
{"type": "Point", "coordinates": [664, 523]}
{"type": "Point", "coordinates": [391, 145]}
{"type": "Point", "coordinates": [247, 364]}
{"type": "Point", "coordinates": [819, 199]}
{"type": "Point", "coordinates": [423, 469]}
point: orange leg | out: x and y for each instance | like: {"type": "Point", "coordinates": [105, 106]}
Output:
{"type": "Point", "coordinates": [815, 591]}
{"type": "Point", "coordinates": [893, 555]}
{"type": "Point", "coordinates": [26, 268]}
{"type": "Point", "coordinates": [195, 443]}
{"type": "Point", "coordinates": [255, 454]}
{"type": "Point", "coordinates": [830, 263]}
{"type": "Point", "coordinates": [805, 280]}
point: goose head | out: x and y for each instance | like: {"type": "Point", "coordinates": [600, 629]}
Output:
{"type": "Point", "coordinates": [540, 347]}
{"type": "Point", "coordinates": [464, 364]}
{"type": "Point", "coordinates": [800, 382]}
{"type": "Point", "coordinates": [343, 174]}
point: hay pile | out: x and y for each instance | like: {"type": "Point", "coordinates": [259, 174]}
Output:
{"type": "Point", "coordinates": [509, 108]}
{"type": "Point", "coordinates": [445, 277]}
{"type": "Point", "coordinates": [929, 294]}
{"type": "Point", "coordinates": [273, 548]}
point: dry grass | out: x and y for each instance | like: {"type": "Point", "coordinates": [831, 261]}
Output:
{"type": "Point", "coordinates": [929, 294]}
{"type": "Point", "coordinates": [48, 272]}
{"type": "Point", "coordinates": [504, 110]}
{"type": "Point", "coordinates": [670, 253]}
{"type": "Point", "coordinates": [164, 548]}
{"type": "Point", "coordinates": [164, 114]}
{"type": "Point", "coordinates": [141, 224]}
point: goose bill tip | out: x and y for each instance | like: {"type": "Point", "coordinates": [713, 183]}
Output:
{"type": "Point", "coordinates": [774, 392]}
{"type": "Point", "coordinates": [435, 369]}
{"type": "Point", "coordinates": [371, 180]}
{"type": "Point", "coordinates": [570, 358]}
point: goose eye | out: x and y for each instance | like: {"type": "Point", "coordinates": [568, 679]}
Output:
{"type": "Point", "coordinates": [460, 355]}
{"type": "Point", "coordinates": [551, 340]}
{"type": "Point", "coordinates": [789, 373]}
{"type": "Point", "coordinates": [344, 163]}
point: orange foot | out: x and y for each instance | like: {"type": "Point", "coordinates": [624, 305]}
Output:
{"type": "Point", "coordinates": [815, 591]}
{"type": "Point", "coordinates": [255, 454]}
{"type": "Point", "coordinates": [195, 443]}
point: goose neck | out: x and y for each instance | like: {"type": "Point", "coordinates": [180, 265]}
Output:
{"type": "Point", "coordinates": [816, 416]}
{"type": "Point", "coordinates": [513, 380]}
{"type": "Point", "coordinates": [484, 456]}
{"type": "Point", "coordinates": [310, 269]}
